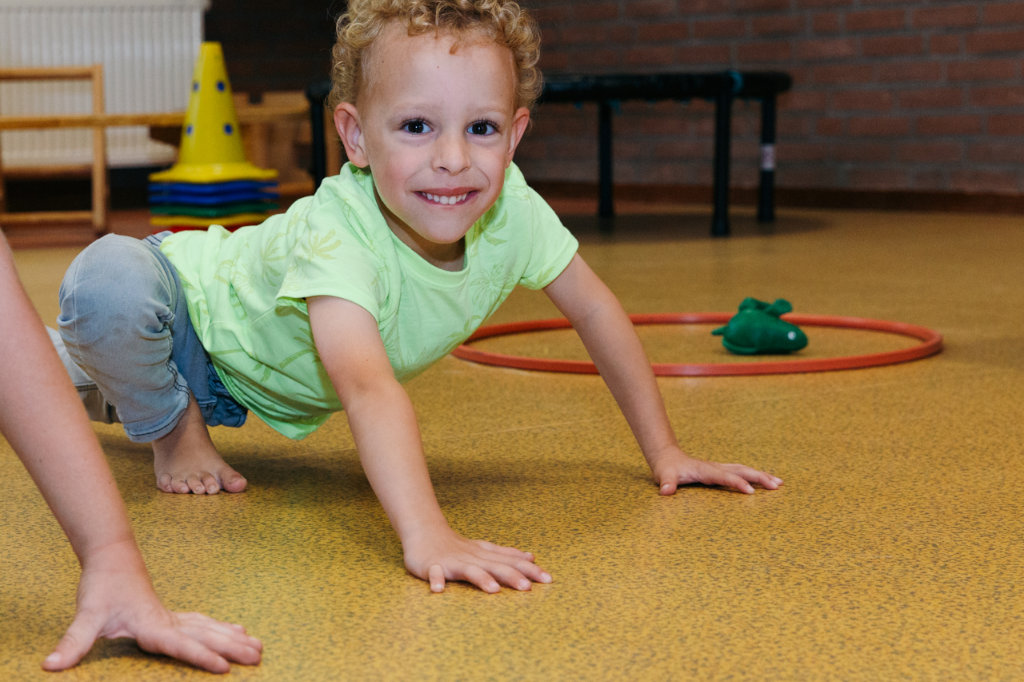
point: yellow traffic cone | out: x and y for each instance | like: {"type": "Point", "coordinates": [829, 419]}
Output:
{"type": "Point", "coordinates": [211, 143]}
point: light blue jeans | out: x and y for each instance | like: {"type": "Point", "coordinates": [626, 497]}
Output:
{"type": "Point", "coordinates": [124, 323]}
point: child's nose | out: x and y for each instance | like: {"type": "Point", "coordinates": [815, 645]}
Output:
{"type": "Point", "coordinates": [452, 153]}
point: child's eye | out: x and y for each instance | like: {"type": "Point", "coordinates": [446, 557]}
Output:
{"type": "Point", "coordinates": [482, 128]}
{"type": "Point", "coordinates": [416, 126]}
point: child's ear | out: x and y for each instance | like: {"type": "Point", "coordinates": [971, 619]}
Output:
{"type": "Point", "coordinates": [350, 130]}
{"type": "Point", "coordinates": [520, 121]}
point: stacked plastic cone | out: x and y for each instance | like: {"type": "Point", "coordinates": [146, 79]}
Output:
{"type": "Point", "coordinates": [212, 183]}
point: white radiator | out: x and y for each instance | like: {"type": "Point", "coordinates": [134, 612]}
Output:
{"type": "Point", "coordinates": [147, 47]}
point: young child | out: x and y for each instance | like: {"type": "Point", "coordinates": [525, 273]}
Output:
{"type": "Point", "coordinates": [387, 268]}
{"type": "Point", "coordinates": [115, 595]}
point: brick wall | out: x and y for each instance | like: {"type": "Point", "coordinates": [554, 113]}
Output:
{"type": "Point", "coordinates": [269, 45]}
{"type": "Point", "coordinates": [917, 95]}
{"type": "Point", "coordinates": [922, 96]}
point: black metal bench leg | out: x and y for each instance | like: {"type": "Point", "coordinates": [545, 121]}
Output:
{"type": "Point", "coordinates": [766, 189]}
{"type": "Point", "coordinates": [720, 191]}
{"type": "Point", "coordinates": [605, 201]}
{"type": "Point", "coordinates": [316, 94]}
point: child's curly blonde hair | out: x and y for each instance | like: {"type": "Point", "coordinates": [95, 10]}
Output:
{"type": "Point", "coordinates": [502, 20]}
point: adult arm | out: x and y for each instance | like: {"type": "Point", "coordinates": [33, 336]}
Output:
{"type": "Point", "coordinates": [115, 595]}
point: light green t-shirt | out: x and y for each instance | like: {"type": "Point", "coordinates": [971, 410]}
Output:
{"type": "Point", "coordinates": [246, 289]}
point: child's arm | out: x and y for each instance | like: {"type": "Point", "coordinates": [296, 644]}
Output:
{"type": "Point", "coordinates": [115, 595]}
{"type": "Point", "coordinates": [610, 339]}
{"type": "Point", "coordinates": [390, 449]}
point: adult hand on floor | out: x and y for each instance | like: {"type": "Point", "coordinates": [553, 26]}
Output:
{"type": "Point", "coordinates": [120, 602]}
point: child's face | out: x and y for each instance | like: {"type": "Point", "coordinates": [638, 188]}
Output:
{"type": "Point", "coordinates": [437, 129]}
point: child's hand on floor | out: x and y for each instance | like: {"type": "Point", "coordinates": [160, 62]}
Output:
{"type": "Point", "coordinates": [120, 602]}
{"type": "Point", "coordinates": [449, 556]}
{"type": "Point", "coordinates": [674, 468]}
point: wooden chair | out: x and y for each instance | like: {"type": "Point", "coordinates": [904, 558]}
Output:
{"type": "Point", "coordinates": [256, 120]}
{"type": "Point", "coordinates": [97, 215]}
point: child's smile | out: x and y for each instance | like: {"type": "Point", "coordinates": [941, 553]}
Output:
{"type": "Point", "coordinates": [444, 199]}
{"type": "Point", "coordinates": [436, 123]}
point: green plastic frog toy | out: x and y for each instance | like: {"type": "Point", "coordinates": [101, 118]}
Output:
{"type": "Point", "coordinates": [758, 330]}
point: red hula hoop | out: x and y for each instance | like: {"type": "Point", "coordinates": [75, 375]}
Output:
{"type": "Point", "coordinates": [931, 343]}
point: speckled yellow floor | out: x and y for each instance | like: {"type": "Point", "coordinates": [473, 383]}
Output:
{"type": "Point", "coordinates": [895, 549]}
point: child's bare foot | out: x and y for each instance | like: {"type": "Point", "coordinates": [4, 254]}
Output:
{"type": "Point", "coordinates": [186, 461]}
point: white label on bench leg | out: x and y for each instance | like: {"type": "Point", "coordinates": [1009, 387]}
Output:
{"type": "Point", "coordinates": [767, 157]}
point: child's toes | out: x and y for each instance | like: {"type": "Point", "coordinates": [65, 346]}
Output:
{"type": "Point", "coordinates": [210, 484]}
{"type": "Point", "coordinates": [178, 484]}
{"type": "Point", "coordinates": [232, 481]}
{"type": "Point", "coordinates": [169, 484]}
{"type": "Point", "coordinates": [163, 482]}
{"type": "Point", "coordinates": [195, 484]}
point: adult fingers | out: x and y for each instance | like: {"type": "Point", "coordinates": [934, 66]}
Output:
{"type": "Point", "coordinates": [184, 647]}
{"type": "Point", "coordinates": [227, 639]}
{"type": "Point", "coordinates": [74, 645]}
{"type": "Point", "coordinates": [668, 487]}
{"type": "Point", "coordinates": [435, 576]}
